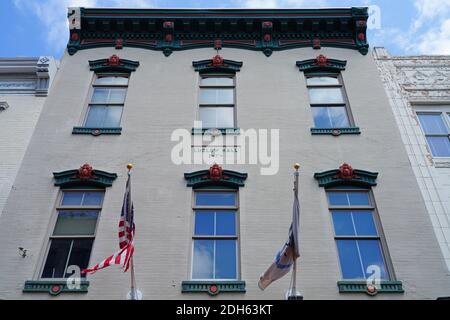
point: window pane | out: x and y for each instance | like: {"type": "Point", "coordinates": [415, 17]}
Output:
{"type": "Point", "coordinates": [56, 259]}
{"type": "Point", "coordinates": [325, 95]}
{"type": "Point", "coordinates": [71, 222]}
{"type": "Point", "coordinates": [215, 198]}
{"type": "Point", "coordinates": [93, 199]}
{"type": "Point", "coordinates": [108, 95]}
{"type": "Point", "coordinates": [204, 223]}
{"type": "Point", "coordinates": [203, 260]}
{"type": "Point", "coordinates": [337, 198]}
{"type": "Point", "coordinates": [113, 116]}
{"type": "Point", "coordinates": [115, 80]}
{"type": "Point", "coordinates": [433, 124]}
{"type": "Point", "coordinates": [358, 198]}
{"type": "Point", "coordinates": [322, 81]}
{"type": "Point", "coordinates": [72, 198]}
{"type": "Point", "coordinates": [364, 224]}
{"type": "Point", "coordinates": [349, 259]}
{"type": "Point", "coordinates": [103, 116]}
{"type": "Point", "coordinates": [217, 117]}
{"type": "Point", "coordinates": [343, 224]}
{"type": "Point", "coordinates": [330, 117]}
{"type": "Point", "coordinates": [225, 223]}
{"type": "Point", "coordinates": [216, 96]}
{"type": "Point", "coordinates": [440, 146]}
{"type": "Point", "coordinates": [371, 255]}
{"type": "Point", "coordinates": [80, 254]}
{"type": "Point", "coordinates": [225, 259]}
{"type": "Point", "coordinates": [218, 81]}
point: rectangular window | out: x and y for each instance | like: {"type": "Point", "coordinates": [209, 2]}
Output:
{"type": "Point", "coordinates": [215, 236]}
{"type": "Point", "coordinates": [436, 127]}
{"type": "Point", "coordinates": [328, 101]}
{"type": "Point", "coordinates": [107, 101]}
{"type": "Point", "coordinates": [357, 234]}
{"type": "Point", "coordinates": [217, 101]}
{"type": "Point", "coordinates": [74, 232]}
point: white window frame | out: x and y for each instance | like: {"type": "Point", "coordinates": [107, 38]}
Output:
{"type": "Point", "coordinates": [444, 112]}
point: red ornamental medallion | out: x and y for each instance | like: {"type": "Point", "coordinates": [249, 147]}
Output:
{"type": "Point", "coordinates": [55, 289]}
{"type": "Point", "coordinates": [85, 172]}
{"type": "Point", "coordinates": [213, 289]}
{"type": "Point", "coordinates": [346, 172]}
{"type": "Point", "coordinates": [267, 37]}
{"type": "Point", "coordinates": [217, 61]}
{"type": "Point", "coordinates": [372, 290]}
{"type": "Point", "coordinates": [361, 37]}
{"type": "Point", "coordinates": [322, 60]}
{"type": "Point", "coordinates": [119, 43]}
{"type": "Point", "coordinates": [216, 172]}
{"type": "Point", "coordinates": [114, 60]}
{"type": "Point", "coordinates": [218, 44]}
{"type": "Point", "coordinates": [75, 37]}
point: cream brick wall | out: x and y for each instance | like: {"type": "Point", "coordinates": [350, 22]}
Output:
{"type": "Point", "coordinates": [271, 93]}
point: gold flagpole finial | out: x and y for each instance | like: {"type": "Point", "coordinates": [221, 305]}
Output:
{"type": "Point", "coordinates": [129, 166]}
{"type": "Point", "coordinates": [297, 166]}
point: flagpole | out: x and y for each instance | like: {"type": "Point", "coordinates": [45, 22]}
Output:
{"type": "Point", "coordinates": [133, 295]}
{"type": "Point", "coordinates": [292, 293]}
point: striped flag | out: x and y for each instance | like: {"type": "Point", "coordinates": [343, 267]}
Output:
{"type": "Point", "coordinates": [287, 255]}
{"type": "Point", "coordinates": [126, 235]}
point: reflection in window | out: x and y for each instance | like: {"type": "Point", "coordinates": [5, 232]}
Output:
{"type": "Point", "coordinates": [74, 232]}
{"type": "Point", "coordinates": [107, 101]}
{"type": "Point", "coordinates": [329, 106]}
{"type": "Point", "coordinates": [437, 133]}
{"type": "Point", "coordinates": [357, 235]}
{"type": "Point", "coordinates": [215, 237]}
{"type": "Point", "coordinates": [217, 101]}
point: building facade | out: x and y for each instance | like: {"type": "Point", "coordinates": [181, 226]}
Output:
{"type": "Point", "coordinates": [419, 94]}
{"type": "Point", "coordinates": [133, 86]}
{"type": "Point", "coordinates": [24, 86]}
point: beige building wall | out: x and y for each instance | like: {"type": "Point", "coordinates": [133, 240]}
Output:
{"type": "Point", "coordinates": [162, 96]}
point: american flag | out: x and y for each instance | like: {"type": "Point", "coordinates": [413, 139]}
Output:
{"type": "Point", "coordinates": [126, 235]}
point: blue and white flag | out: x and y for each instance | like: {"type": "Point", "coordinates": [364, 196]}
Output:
{"type": "Point", "coordinates": [287, 255]}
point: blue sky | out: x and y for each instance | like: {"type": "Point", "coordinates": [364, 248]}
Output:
{"type": "Point", "coordinates": [405, 27]}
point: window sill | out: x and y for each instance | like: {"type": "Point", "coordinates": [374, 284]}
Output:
{"type": "Point", "coordinates": [361, 287]}
{"type": "Point", "coordinates": [336, 131]}
{"type": "Point", "coordinates": [216, 131]}
{"type": "Point", "coordinates": [213, 287]}
{"type": "Point", "coordinates": [96, 131]}
{"type": "Point", "coordinates": [53, 287]}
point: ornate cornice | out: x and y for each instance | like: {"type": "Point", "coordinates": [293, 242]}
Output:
{"type": "Point", "coordinates": [321, 63]}
{"type": "Point", "coordinates": [264, 30]}
{"type": "Point", "coordinates": [84, 176]}
{"type": "Point", "coordinates": [217, 64]}
{"type": "Point", "coordinates": [346, 175]}
{"type": "Point", "coordinates": [113, 64]}
{"type": "Point", "coordinates": [215, 176]}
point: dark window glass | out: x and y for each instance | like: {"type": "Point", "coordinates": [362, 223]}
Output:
{"type": "Point", "coordinates": [55, 266]}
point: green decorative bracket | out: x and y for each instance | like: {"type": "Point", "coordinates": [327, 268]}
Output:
{"type": "Point", "coordinates": [217, 64]}
{"type": "Point", "coordinates": [213, 288]}
{"type": "Point", "coordinates": [335, 132]}
{"type": "Point", "coordinates": [321, 63]}
{"type": "Point", "coordinates": [346, 175]}
{"type": "Point", "coordinates": [216, 131]}
{"type": "Point", "coordinates": [263, 30]}
{"type": "Point", "coordinates": [53, 288]}
{"type": "Point", "coordinates": [113, 64]}
{"type": "Point", "coordinates": [362, 287]}
{"type": "Point", "coordinates": [215, 176]}
{"type": "Point", "coordinates": [84, 176]}
{"type": "Point", "coordinates": [97, 131]}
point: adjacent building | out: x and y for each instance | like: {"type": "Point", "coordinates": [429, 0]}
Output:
{"type": "Point", "coordinates": [419, 94]}
{"type": "Point", "coordinates": [24, 86]}
{"type": "Point", "coordinates": [133, 86]}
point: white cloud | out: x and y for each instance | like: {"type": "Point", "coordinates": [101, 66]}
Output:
{"type": "Point", "coordinates": [436, 40]}
{"type": "Point", "coordinates": [53, 14]}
